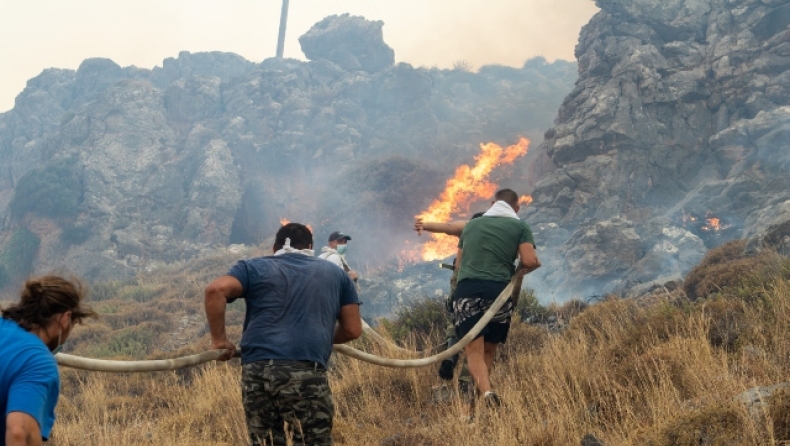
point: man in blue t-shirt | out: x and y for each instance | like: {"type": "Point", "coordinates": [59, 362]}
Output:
{"type": "Point", "coordinates": [297, 307]}
{"type": "Point", "coordinates": [29, 382]}
{"type": "Point", "coordinates": [32, 330]}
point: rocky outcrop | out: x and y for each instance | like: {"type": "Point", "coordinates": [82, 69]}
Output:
{"type": "Point", "coordinates": [677, 123]}
{"type": "Point", "coordinates": [351, 42]}
{"type": "Point", "coordinates": [124, 168]}
{"type": "Point", "coordinates": [144, 196]}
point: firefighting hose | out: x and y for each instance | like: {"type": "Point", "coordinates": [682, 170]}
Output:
{"type": "Point", "coordinates": [159, 365]}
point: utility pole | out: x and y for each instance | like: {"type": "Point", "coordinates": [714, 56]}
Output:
{"type": "Point", "coordinates": [281, 38]}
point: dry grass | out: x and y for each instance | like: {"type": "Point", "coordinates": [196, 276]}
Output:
{"type": "Point", "coordinates": [629, 373]}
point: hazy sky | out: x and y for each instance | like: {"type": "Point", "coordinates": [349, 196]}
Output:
{"type": "Point", "coordinates": [39, 34]}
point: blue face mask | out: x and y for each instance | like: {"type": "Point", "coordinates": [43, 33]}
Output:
{"type": "Point", "coordinates": [341, 249]}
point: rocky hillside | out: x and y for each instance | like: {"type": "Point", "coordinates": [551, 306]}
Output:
{"type": "Point", "coordinates": [108, 170]}
{"type": "Point", "coordinates": [674, 139]}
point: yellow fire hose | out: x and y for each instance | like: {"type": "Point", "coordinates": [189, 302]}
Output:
{"type": "Point", "coordinates": [159, 365]}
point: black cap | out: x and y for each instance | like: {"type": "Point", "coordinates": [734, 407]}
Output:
{"type": "Point", "coordinates": [337, 235]}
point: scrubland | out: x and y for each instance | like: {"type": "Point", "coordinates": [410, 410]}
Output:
{"type": "Point", "coordinates": [663, 369]}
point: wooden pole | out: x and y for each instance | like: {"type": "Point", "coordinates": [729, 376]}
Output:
{"type": "Point", "coordinates": [281, 37]}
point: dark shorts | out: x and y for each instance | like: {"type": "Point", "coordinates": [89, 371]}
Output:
{"type": "Point", "coordinates": [471, 300]}
{"type": "Point", "coordinates": [296, 392]}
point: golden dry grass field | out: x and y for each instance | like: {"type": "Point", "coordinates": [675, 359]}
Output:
{"type": "Point", "coordinates": [664, 369]}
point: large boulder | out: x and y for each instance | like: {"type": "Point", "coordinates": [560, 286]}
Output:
{"type": "Point", "coordinates": [352, 42]}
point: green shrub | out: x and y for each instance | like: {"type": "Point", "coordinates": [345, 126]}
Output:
{"type": "Point", "coordinates": [54, 191]}
{"type": "Point", "coordinates": [132, 342]}
{"type": "Point", "coordinates": [140, 293]}
{"type": "Point", "coordinates": [16, 260]}
{"type": "Point", "coordinates": [418, 321]}
{"type": "Point", "coordinates": [128, 290]}
{"type": "Point", "coordinates": [105, 290]}
{"type": "Point", "coordinates": [121, 222]}
{"type": "Point", "coordinates": [529, 308]}
{"type": "Point", "coordinates": [75, 234]}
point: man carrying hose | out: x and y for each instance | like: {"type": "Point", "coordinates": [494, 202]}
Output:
{"type": "Point", "coordinates": [447, 368]}
{"type": "Point", "coordinates": [293, 301]}
{"type": "Point", "coordinates": [487, 249]}
{"type": "Point", "coordinates": [33, 330]}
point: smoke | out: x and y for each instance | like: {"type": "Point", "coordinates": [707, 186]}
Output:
{"type": "Point", "coordinates": [143, 33]}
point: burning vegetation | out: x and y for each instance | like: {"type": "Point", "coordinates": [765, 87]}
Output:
{"type": "Point", "coordinates": [469, 185]}
{"type": "Point", "coordinates": [711, 228]}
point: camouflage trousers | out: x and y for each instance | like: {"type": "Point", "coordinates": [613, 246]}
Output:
{"type": "Point", "coordinates": [295, 392]}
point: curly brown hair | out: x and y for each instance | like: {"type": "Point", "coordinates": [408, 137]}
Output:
{"type": "Point", "coordinates": [44, 297]}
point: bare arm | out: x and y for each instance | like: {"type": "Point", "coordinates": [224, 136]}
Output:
{"type": "Point", "coordinates": [458, 259]}
{"type": "Point", "coordinates": [217, 294]}
{"type": "Point", "coordinates": [452, 228]}
{"type": "Point", "coordinates": [349, 326]}
{"type": "Point", "coordinates": [22, 430]}
{"type": "Point", "coordinates": [529, 258]}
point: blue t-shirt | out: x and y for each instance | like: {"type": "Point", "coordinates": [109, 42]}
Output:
{"type": "Point", "coordinates": [29, 380]}
{"type": "Point", "coordinates": [293, 302]}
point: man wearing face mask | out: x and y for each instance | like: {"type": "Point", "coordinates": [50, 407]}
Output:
{"type": "Point", "coordinates": [32, 331]}
{"type": "Point", "coordinates": [335, 252]}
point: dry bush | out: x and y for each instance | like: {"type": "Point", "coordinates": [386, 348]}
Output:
{"type": "Point", "coordinates": [780, 415]}
{"type": "Point", "coordinates": [667, 365]}
{"type": "Point", "coordinates": [570, 309]}
{"type": "Point", "coordinates": [727, 323]}
{"type": "Point", "coordinates": [524, 338]}
{"type": "Point", "coordinates": [131, 409]}
{"type": "Point", "coordinates": [728, 267]}
{"type": "Point", "coordinates": [718, 425]}
{"type": "Point", "coordinates": [136, 315]}
{"type": "Point", "coordinates": [88, 334]}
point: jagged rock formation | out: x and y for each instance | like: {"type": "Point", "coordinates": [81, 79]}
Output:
{"type": "Point", "coordinates": [351, 42]}
{"type": "Point", "coordinates": [109, 170]}
{"type": "Point", "coordinates": [674, 137]}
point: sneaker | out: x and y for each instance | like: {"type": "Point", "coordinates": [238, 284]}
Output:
{"type": "Point", "coordinates": [491, 399]}
{"type": "Point", "coordinates": [446, 370]}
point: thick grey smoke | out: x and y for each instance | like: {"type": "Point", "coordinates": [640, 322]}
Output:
{"type": "Point", "coordinates": [143, 33]}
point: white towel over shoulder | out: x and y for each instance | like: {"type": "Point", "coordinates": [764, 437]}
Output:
{"type": "Point", "coordinates": [501, 209]}
{"type": "Point", "coordinates": [288, 249]}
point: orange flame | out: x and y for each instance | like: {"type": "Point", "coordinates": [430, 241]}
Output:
{"type": "Point", "coordinates": [469, 184]}
{"type": "Point", "coordinates": [526, 200]}
{"type": "Point", "coordinates": [713, 223]}
{"type": "Point", "coordinates": [284, 221]}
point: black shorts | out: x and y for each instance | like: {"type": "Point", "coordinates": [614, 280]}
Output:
{"type": "Point", "coordinates": [493, 332]}
{"type": "Point", "coordinates": [472, 299]}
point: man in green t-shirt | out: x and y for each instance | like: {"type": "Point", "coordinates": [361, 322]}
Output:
{"type": "Point", "coordinates": [487, 252]}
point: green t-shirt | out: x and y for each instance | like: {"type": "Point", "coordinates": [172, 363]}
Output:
{"type": "Point", "coordinates": [490, 246]}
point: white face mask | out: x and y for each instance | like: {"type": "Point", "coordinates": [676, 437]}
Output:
{"type": "Point", "coordinates": [341, 249]}
{"type": "Point", "coordinates": [60, 336]}
{"type": "Point", "coordinates": [60, 346]}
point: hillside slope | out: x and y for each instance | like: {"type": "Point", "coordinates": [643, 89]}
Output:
{"type": "Point", "coordinates": [660, 370]}
{"type": "Point", "coordinates": [113, 169]}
